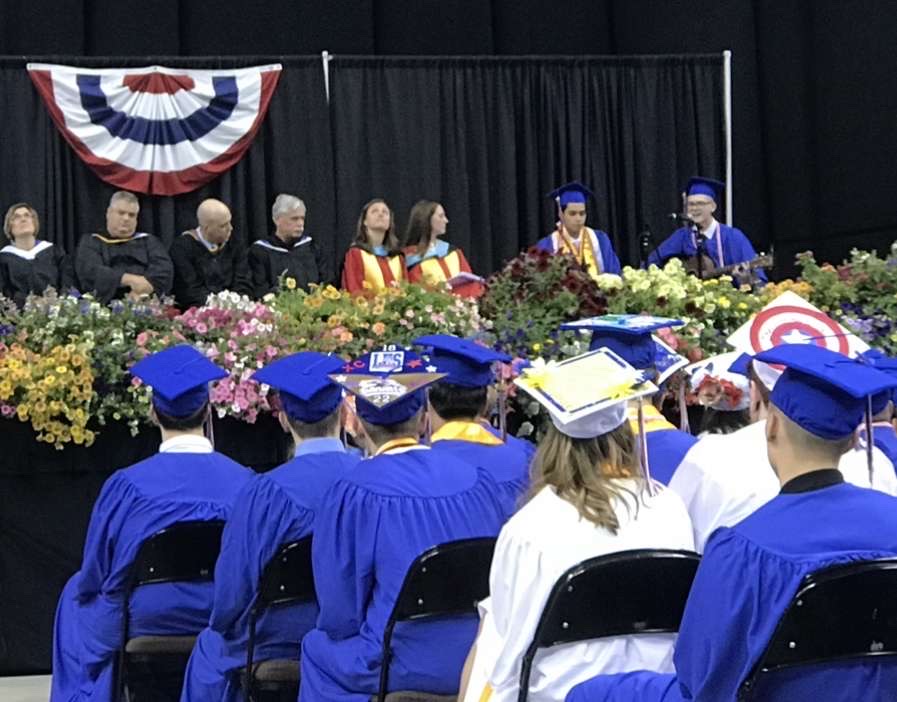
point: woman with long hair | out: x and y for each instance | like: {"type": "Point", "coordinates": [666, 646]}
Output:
{"type": "Point", "coordinates": [29, 264]}
{"type": "Point", "coordinates": [589, 497]}
{"type": "Point", "coordinates": [374, 261]}
{"type": "Point", "coordinates": [430, 259]}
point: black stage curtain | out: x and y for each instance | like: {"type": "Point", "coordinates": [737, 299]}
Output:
{"type": "Point", "coordinates": [291, 153]}
{"type": "Point", "coordinates": [489, 137]}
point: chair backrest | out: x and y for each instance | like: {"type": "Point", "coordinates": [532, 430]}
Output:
{"type": "Point", "coordinates": [182, 551]}
{"type": "Point", "coordinates": [846, 612]}
{"type": "Point", "coordinates": [288, 576]}
{"type": "Point", "coordinates": [446, 579]}
{"type": "Point", "coordinates": [629, 592]}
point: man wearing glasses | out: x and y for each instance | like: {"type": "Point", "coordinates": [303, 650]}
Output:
{"type": "Point", "coordinates": [705, 244]}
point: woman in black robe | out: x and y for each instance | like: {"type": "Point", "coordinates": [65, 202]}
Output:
{"type": "Point", "coordinates": [28, 264]}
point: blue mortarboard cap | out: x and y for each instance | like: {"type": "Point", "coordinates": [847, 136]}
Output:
{"type": "Point", "coordinates": [571, 192]}
{"type": "Point", "coordinates": [742, 365]}
{"type": "Point", "coordinates": [302, 379]}
{"type": "Point", "coordinates": [463, 361]}
{"type": "Point", "coordinates": [627, 335]}
{"type": "Point", "coordinates": [706, 186]}
{"type": "Point", "coordinates": [879, 360]}
{"type": "Point", "coordinates": [179, 377]}
{"type": "Point", "coordinates": [822, 391]}
{"type": "Point", "coordinates": [388, 385]}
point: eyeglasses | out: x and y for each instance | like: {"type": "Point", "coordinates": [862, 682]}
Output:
{"type": "Point", "coordinates": [699, 203]}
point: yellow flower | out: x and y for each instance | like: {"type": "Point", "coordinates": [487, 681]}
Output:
{"type": "Point", "coordinates": [742, 305]}
{"type": "Point", "coordinates": [537, 347]}
{"type": "Point", "coordinates": [314, 302]}
{"type": "Point", "coordinates": [334, 320]}
{"type": "Point", "coordinates": [361, 302]}
{"type": "Point", "coordinates": [62, 370]}
{"type": "Point", "coordinates": [290, 283]}
{"type": "Point", "coordinates": [331, 293]}
{"type": "Point", "coordinates": [724, 302]}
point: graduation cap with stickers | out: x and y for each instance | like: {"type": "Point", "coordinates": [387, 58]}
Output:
{"type": "Point", "coordinates": [388, 384]}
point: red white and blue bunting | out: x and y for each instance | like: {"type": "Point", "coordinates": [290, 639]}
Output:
{"type": "Point", "coordinates": [157, 130]}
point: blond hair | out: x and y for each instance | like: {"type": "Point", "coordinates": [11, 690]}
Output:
{"type": "Point", "coordinates": [582, 472]}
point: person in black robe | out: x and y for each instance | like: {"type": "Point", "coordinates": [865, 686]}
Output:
{"type": "Point", "coordinates": [123, 261]}
{"type": "Point", "coordinates": [28, 264]}
{"type": "Point", "coordinates": [289, 252]}
{"type": "Point", "coordinates": [207, 259]}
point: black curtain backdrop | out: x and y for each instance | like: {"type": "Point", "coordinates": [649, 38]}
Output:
{"type": "Point", "coordinates": [291, 153]}
{"type": "Point", "coordinates": [489, 137]}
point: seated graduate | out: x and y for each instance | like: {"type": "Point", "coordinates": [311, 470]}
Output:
{"type": "Point", "coordinates": [289, 252]}
{"type": "Point", "coordinates": [29, 265]}
{"type": "Point", "coordinates": [724, 478]}
{"type": "Point", "coordinates": [591, 247]}
{"type": "Point", "coordinates": [372, 525]}
{"type": "Point", "coordinates": [275, 509]}
{"type": "Point", "coordinates": [724, 245]}
{"type": "Point", "coordinates": [374, 261]}
{"type": "Point", "coordinates": [723, 395]}
{"type": "Point", "coordinates": [752, 570]}
{"type": "Point", "coordinates": [629, 336]}
{"type": "Point", "coordinates": [186, 481]}
{"type": "Point", "coordinates": [432, 260]}
{"type": "Point", "coordinates": [884, 435]}
{"type": "Point", "coordinates": [457, 404]}
{"type": "Point", "coordinates": [207, 259]}
{"type": "Point", "coordinates": [589, 498]}
{"type": "Point", "coordinates": [123, 261]}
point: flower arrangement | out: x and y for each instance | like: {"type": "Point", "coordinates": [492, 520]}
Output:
{"type": "Point", "coordinates": [532, 296]}
{"type": "Point", "coordinates": [240, 335]}
{"type": "Point", "coordinates": [330, 320]}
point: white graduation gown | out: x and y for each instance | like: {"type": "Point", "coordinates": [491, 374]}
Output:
{"type": "Point", "coordinates": [537, 545]}
{"type": "Point", "coordinates": [725, 477]}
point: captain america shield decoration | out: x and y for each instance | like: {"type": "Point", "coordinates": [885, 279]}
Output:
{"type": "Point", "coordinates": [157, 130]}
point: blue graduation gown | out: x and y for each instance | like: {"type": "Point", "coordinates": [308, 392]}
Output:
{"type": "Point", "coordinates": [372, 525]}
{"type": "Point", "coordinates": [605, 246]}
{"type": "Point", "coordinates": [135, 503]}
{"type": "Point", "coordinates": [507, 463]}
{"type": "Point", "coordinates": [736, 248]}
{"type": "Point", "coordinates": [666, 449]}
{"type": "Point", "coordinates": [747, 578]}
{"type": "Point", "coordinates": [276, 508]}
{"type": "Point", "coordinates": [885, 438]}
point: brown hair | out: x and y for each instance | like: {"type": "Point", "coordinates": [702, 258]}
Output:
{"type": "Point", "coordinates": [7, 220]}
{"type": "Point", "coordinates": [581, 471]}
{"type": "Point", "coordinates": [418, 231]}
{"type": "Point", "coordinates": [390, 241]}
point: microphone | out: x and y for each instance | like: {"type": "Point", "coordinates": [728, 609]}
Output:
{"type": "Point", "coordinates": [679, 217]}
{"type": "Point", "coordinates": [645, 242]}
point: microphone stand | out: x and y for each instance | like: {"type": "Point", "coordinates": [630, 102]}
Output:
{"type": "Point", "coordinates": [700, 241]}
{"type": "Point", "coordinates": [646, 246]}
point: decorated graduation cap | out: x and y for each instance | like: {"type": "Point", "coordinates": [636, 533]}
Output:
{"type": "Point", "coordinates": [463, 361]}
{"type": "Point", "coordinates": [717, 386]}
{"type": "Point", "coordinates": [822, 391]}
{"type": "Point", "coordinates": [307, 393]}
{"type": "Point", "coordinates": [179, 377]}
{"type": "Point", "coordinates": [388, 385]}
{"type": "Point", "coordinates": [585, 396]}
{"type": "Point", "coordinates": [574, 192]}
{"type": "Point", "coordinates": [630, 337]}
{"type": "Point", "coordinates": [699, 185]}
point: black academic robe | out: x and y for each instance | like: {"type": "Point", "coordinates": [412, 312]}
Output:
{"type": "Point", "coordinates": [100, 263]}
{"type": "Point", "coordinates": [199, 271]}
{"type": "Point", "coordinates": [25, 272]}
{"type": "Point", "coordinates": [270, 258]}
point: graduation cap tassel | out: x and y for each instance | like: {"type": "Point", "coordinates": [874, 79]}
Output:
{"type": "Point", "coordinates": [869, 442]}
{"type": "Point", "coordinates": [643, 447]}
{"type": "Point", "coordinates": [503, 410]}
{"type": "Point", "coordinates": [683, 409]}
{"type": "Point", "coordinates": [209, 427]}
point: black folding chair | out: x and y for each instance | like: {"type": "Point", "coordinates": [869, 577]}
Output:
{"type": "Point", "coordinates": [185, 551]}
{"type": "Point", "coordinates": [448, 579]}
{"type": "Point", "coordinates": [287, 579]}
{"type": "Point", "coordinates": [843, 613]}
{"type": "Point", "coordinates": [629, 592]}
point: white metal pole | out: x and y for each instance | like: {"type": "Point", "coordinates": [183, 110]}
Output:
{"type": "Point", "coordinates": [325, 60]}
{"type": "Point", "coordinates": [727, 115]}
